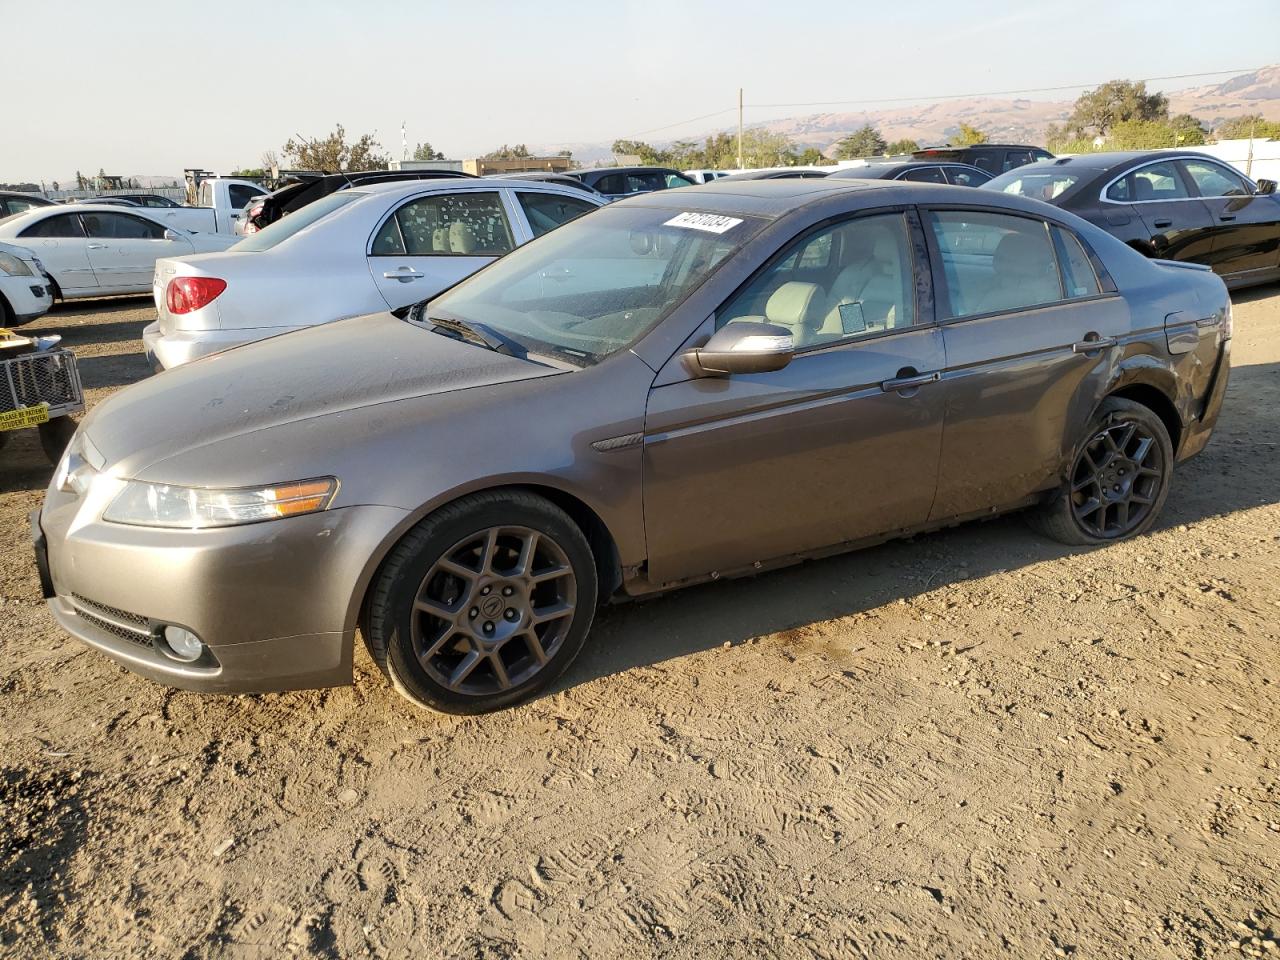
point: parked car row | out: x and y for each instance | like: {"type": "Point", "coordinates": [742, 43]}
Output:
{"type": "Point", "coordinates": [607, 411]}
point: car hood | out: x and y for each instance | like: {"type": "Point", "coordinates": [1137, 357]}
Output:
{"type": "Point", "coordinates": [311, 373]}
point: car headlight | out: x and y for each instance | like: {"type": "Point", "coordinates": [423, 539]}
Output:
{"type": "Point", "coordinates": [163, 505]}
{"type": "Point", "coordinates": [11, 265]}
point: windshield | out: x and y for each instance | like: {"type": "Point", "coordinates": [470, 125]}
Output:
{"type": "Point", "coordinates": [596, 285]}
{"type": "Point", "coordinates": [286, 227]}
{"type": "Point", "coordinates": [1037, 184]}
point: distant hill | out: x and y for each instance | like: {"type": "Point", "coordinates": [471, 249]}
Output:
{"type": "Point", "coordinates": [1016, 121]}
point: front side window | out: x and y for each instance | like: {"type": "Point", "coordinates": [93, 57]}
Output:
{"type": "Point", "coordinates": [120, 226]}
{"type": "Point", "coordinates": [239, 195]}
{"type": "Point", "coordinates": [470, 224]}
{"type": "Point", "coordinates": [63, 225]}
{"type": "Point", "coordinates": [1016, 158]}
{"type": "Point", "coordinates": [993, 262]}
{"type": "Point", "coordinates": [1215, 181]}
{"type": "Point", "coordinates": [866, 286]}
{"type": "Point", "coordinates": [598, 284]}
{"type": "Point", "coordinates": [546, 211]}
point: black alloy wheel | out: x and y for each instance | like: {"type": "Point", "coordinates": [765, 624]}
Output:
{"type": "Point", "coordinates": [1118, 480]}
{"type": "Point", "coordinates": [482, 604]}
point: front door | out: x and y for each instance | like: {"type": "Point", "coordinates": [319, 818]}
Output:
{"type": "Point", "coordinates": [431, 242]}
{"type": "Point", "coordinates": [1022, 308]}
{"type": "Point", "coordinates": [1246, 227]}
{"type": "Point", "coordinates": [840, 445]}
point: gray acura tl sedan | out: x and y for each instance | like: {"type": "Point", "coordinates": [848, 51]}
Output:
{"type": "Point", "coordinates": [678, 387]}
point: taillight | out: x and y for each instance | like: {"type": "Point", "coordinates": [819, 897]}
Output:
{"type": "Point", "coordinates": [185, 294]}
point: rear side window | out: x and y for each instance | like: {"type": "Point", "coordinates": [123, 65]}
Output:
{"type": "Point", "coordinates": [546, 211]}
{"type": "Point", "coordinates": [994, 262]}
{"type": "Point", "coordinates": [18, 205]}
{"type": "Point", "coordinates": [925, 175]}
{"type": "Point", "coordinates": [64, 225]}
{"type": "Point", "coordinates": [471, 224]}
{"type": "Point", "coordinates": [295, 223]}
{"type": "Point", "coordinates": [966, 178]}
{"type": "Point", "coordinates": [1016, 158]}
{"type": "Point", "coordinates": [1077, 272]}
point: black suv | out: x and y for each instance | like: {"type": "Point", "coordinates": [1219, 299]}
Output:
{"type": "Point", "coordinates": [995, 158]}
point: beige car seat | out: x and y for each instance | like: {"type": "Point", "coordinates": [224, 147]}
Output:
{"type": "Point", "coordinates": [1024, 272]}
{"type": "Point", "coordinates": [792, 306]}
{"type": "Point", "coordinates": [462, 239]}
{"type": "Point", "coordinates": [440, 240]}
{"type": "Point", "coordinates": [872, 279]}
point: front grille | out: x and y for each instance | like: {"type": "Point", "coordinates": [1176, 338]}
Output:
{"type": "Point", "coordinates": [112, 620]}
{"type": "Point", "coordinates": [48, 377]}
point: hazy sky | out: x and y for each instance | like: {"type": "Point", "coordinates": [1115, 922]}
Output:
{"type": "Point", "coordinates": [141, 87]}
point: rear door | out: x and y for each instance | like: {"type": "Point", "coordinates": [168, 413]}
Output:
{"type": "Point", "coordinates": [1177, 224]}
{"type": "Point", "coordinates": [429, 243]}
{"type": "Point", "coordinates": [59, 242]}
{"type": "Point", "coordinates": [1246, 227]}
{"type": "Point", "coordinates": [123, 249]}
{"type": "Point", "coordinates": [1022, 308]}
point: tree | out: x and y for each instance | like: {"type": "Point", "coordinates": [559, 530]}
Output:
{"type": "Point", "coordinates": [81, 182]}
{"type": "Point", "coordinates": [269, 160]}
{"type": "Point", "coordinates": [334, 154]}
{"type": "Point", "coordinates": [905, 145]}
{"type": "Point", "coordinates": [865, 142]}
{"type": "Point", "coordinates": [969, 136]}
{"type": "Point", "coordinates": [1188, 131]}
{"type": "Point", "coordinates": [811, 157]}
{"type": "Point", "coordinates": [424, 151]}
{"type": "Point", "coordinates": [1097, 111]}
{"type": "Point", "coordinates": [504, 152]}
{"type": "Point", "coordinates": [1253, 125]}
{"type": "Point", "coordinates": [636, 148]}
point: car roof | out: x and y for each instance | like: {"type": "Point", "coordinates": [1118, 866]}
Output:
{"type": "Point", "coordinates": [26, 196]}
{"type": "Point", "coordinates": [467, 183]}
{"type": "Point", "coordinates": [772, 199]}
{"type": "Point", "coordinates": [1109, 160]}
{"type": "Point", "coordinates": [977, 146]}
{"type": "Point", "coordinates": [637, 169]}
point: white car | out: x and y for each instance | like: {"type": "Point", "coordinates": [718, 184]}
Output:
{"type": "Point", "coordinates": [356, 251]}
{"type": "Point", "coordinates": [24, 289]}
{"type": "Point", "coordinates": [706, 176]}
{"type": "Point", "coordinates": [95, 250]}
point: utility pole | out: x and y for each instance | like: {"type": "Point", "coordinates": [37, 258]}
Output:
{"type": "Point", "coordinates": [739, 128]}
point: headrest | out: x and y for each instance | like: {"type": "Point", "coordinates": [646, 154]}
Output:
{"type": "Point", "coordinates": [462, 239]}
{"type": "Point", "coordinates": [1144, 189]}
{"type": "Point", "coordinates": [1020, 256]}
{"type": "Point", "coordinates": [789, 304]}
{"type": "Point", "coordinates": [440, 240]}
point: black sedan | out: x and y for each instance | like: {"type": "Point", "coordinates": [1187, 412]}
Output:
{"type": "Point", "coordinates": [1168, 204]}
{"type": "Point", "coordinates": [781, 173]}
{"type": "Point", "coordinates": [916, 171]}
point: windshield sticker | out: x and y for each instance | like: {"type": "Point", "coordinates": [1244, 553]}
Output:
{"type": "Point", "coordinates": [709, 222]}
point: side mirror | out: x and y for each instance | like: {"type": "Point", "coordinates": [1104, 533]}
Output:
{"type": "Point", "coordinates": [1266, 187]}
{"type": "Point", "coordinates": [172, 235]}
{"type": "Point", "coordinates": [744, 346]}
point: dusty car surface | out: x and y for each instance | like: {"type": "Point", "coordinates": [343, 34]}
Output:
{"type": "Point", "coordinates": [682, 386]}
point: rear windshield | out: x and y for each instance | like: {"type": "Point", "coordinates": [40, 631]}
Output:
{"type": "Point", "coordinates": [1037, 184]}
{"type": "Point", "coordinates": [286, 227]}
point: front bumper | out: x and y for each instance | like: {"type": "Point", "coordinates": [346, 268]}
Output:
{"type": "Point", "coordinates": [167, 350]}
{"type": "Point", "coordinates": [30, 297]}
{"type": "Point", "coordinates": [272, 601]}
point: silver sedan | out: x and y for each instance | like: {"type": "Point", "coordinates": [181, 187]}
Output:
{"type": "Point", "coordinates": [354, 252]}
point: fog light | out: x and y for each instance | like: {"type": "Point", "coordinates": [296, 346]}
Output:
{"type": "Point", "coordinates": [183, 644]}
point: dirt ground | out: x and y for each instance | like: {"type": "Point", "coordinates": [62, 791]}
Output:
{"type": "Point", "coordinates": [976, 744]}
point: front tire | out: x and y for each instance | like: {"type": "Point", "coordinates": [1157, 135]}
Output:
{"type": "Point", "coordinates": [55, 434]}
{"type": "Point", "coordinates": [1118, 481]}
{"type": "Point", "coordinates": [483, 604]}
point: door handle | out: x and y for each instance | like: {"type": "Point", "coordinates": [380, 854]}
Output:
{"type": "Point", "coordinates": [1227, 216]}
{"type": "Point", "coordinates": [1161, 224]}
{"type": "Point", "coordinates": [1093, 343]}
{"type": "Point", "coordinates": [404, 276]}
{"type": "Point", "coordinates": [96, 246]}
{"type": "Point", "coordinates": [912, 382]}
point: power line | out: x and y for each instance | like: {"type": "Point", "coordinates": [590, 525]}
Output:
{"type": "Point", "coordinates": [943, 96]}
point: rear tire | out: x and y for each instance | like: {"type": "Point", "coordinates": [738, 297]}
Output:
{"type": "Point", "coordinates": [482, 604]}
{"type": "Point", "coordinates": [1118, 481]}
